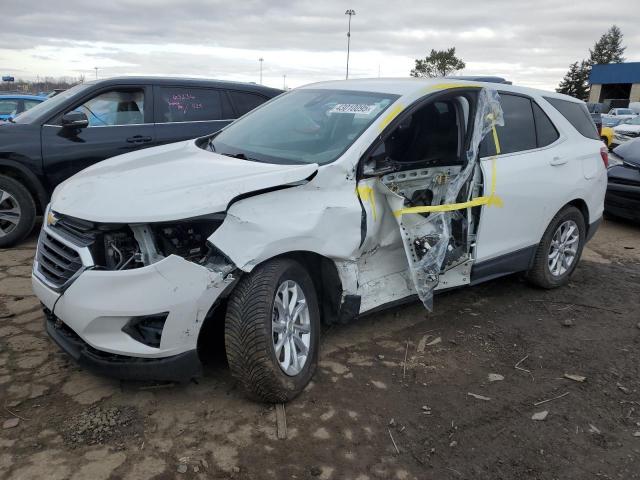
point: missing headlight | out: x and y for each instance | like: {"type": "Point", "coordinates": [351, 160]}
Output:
{"type": "Point", "coordinates": [186, 239]}
{"type": "Point", "coordinates": [121, 251]}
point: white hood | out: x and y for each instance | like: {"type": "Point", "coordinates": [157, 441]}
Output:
{"type": "Point", "coordinates": [171, 182]}
{"type": "Point", "coordinates": [627, 128]}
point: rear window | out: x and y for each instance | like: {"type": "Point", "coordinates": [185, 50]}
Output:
{"type": "Point", "coordinates": [519, 130]}
{"type": "Point", "coordinates": [184, 104]}
{"type": "Point", "coordinates": [245, 102]}
{"type": "Point", "coordinates": [577, 115]}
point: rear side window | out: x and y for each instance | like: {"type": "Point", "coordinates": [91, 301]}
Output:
{"type": "Point", "coordinates": [519, 130]}
{"type": "Point", "coordinates": [545, 130]}
{"type": "Point", "coordinates": [245, 102]}
{"type": "Point", "coordinates": [183, 104]}
{"type": "Point", "coordinates": [577, 115]}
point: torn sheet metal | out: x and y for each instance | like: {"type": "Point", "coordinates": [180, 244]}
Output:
{"type": "Point", "coordinates": [304, 218]}
{"type": "Point", "coordinates": [428, 239]}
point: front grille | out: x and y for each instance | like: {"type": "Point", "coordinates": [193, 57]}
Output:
{"type": "Point", "coordinates": [57, 261]}
{"type": "Point", "coordinates": [80, 231]}
{"type": "Point", "coordinates": [631, 134]}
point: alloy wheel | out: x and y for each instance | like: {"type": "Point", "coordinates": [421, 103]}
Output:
{"type": "Point", "coordinates": [9, 213]}
{"type": "Point", "coordinates": [291, 328]}
{"type": "Point", "coordinates": [563, 248]}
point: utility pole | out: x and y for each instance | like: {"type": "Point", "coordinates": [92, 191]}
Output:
{"type": "Point", "coordinates": [261, 60]}
{"type": "Point", "coordinates": [96, 69]}
{"type": "Point", "coordinates": [284, 81]}
{"type": "Point", "coordinates": [351, 13]}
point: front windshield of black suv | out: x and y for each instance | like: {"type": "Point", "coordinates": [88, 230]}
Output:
{"type": "Point", "coordinates": [302, 126]}
{"type": "Point", "coordinates": [50, 105]}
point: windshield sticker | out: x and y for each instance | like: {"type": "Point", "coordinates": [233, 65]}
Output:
{"type": "Point", "coordinates": [362, 108]}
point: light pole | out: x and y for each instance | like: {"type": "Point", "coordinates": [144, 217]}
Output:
{"type": "Point", "coordinates": [96, 69]}
{"type": "Point", "coordinates": [351, 13]}
{"type": "Point", "coordinates": [284, 81]}
{"type": "Point", "coordinates": [261, 60]}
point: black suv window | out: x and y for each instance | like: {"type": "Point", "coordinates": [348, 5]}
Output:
{"type": "Point", "coordinates": [184, 104]}
{"type": "Point", "coordinates": [245, 102]}
{"type": "Point", "coordinates": [577, 115]}
{"type": "Point", "coordinates": [115, 107]}
{"type": "Point", "coordinates": [545, 130]}
{"type": "Point", "coordinates": [526, 127]}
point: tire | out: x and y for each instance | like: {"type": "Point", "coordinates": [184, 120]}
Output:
{"type": "Point", "coordinates": [546, 274]}
{"type": "Point", "coordinates": [250, 335]}
{"type": "Point", "coordinates": [17, 212]}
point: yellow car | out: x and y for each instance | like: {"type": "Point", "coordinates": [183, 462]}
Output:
{"type": "Point", "coordinates": [606, 134]}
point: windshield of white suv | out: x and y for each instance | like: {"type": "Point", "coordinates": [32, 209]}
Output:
{"type": "Point", "coordinates": [302, 126]}
{"type": "Point", "coordinates": [633, 121]}
{"type": "Point", "coordinates": [49, 105]}
{"type": "Point", "coordinates": [624, 111]}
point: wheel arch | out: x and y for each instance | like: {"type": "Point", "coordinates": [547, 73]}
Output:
{"type": "Point", "coordinates": [327, 284]}
{"type": "Point", "coordinates": [27, 178]}
{"type": "Point", "coordinates": [581, 205]}
{"type": "Point", "coordinates": [326, 281]}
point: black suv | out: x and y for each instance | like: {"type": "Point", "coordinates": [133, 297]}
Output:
{"type": "Point", "coordinates": [96, 120]}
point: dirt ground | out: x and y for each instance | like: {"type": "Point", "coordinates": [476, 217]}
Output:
{"type": "Point", "coordinates": [368, 414]}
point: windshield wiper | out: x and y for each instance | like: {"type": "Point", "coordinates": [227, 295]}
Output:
{"type": "Point", "coordinates": [240, 156]}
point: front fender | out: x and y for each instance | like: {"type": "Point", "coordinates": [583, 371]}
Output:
{"type": "Point", "coordinates": [326, 221]}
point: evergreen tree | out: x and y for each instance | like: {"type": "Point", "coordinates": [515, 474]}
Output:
{"type": "Point", "coordinates": [575, 82]}
{"type": "Point", "coordinates": [608, 49]}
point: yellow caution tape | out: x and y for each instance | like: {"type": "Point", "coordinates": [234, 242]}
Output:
{"type": "Point", "coordinates": [393, 113]}
{"type": "Point", "coordinates": [446, 86]}
{"type": "Point", "coordinates": [491, 200]}
{"type": "Point", "coordinates": [365, 192]}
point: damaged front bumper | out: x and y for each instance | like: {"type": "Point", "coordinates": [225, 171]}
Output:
{"type": "Point", "coordinates": [181, 367]}
{"type": "Point", "coordinates": [92, 317]}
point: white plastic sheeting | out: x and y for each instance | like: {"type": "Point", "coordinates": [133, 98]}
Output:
{"type": "Point", "coordinates": [426, 240]}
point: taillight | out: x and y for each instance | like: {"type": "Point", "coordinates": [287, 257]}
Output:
{"type": "Point", "coordinates": [604, 153]}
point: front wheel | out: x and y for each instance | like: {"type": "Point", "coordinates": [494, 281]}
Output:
{"type": "Point", "coordinates": [559, 250]}
{"type": "Point", "coordinates": [17, 212]}
{"type": "Point", "coordinates": [272, 331]}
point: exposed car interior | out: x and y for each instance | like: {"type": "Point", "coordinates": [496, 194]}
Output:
{"type": "Point", "coordinates": [426, 152]}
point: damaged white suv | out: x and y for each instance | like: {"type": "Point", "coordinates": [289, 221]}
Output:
{"type": "Point", "coordinates": [327, 202]}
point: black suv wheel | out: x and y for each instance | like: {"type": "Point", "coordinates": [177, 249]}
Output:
{"type": "Point", "coordinates": [17, 211]}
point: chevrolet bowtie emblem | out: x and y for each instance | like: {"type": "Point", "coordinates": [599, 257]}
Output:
{"type": "Point", "coordinates": [51, 219]}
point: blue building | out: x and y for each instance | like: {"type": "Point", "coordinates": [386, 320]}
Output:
{"type": "Point", "coordinates": [615, 81]}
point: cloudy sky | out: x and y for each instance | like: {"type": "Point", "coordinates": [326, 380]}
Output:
{"type": "Point", "coordinates": [529, 42]}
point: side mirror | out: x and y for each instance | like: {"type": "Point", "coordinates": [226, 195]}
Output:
{"type": "Point", "coordinates": [75, 120]}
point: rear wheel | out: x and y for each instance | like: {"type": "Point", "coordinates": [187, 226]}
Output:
{"type": "Point", "coordinates": [272, 331]}
{"type": "Point", "coordinates": [17, 211]}
{"type": "Point", "coordinates": [559, 250]}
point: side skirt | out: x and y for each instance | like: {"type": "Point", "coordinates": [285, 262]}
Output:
{"type": "Point", "coordinates": [513, 262]}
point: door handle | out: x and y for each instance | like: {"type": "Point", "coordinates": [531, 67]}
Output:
{"type": "Point", "coordinates": [139, 139]}
{"type": "Point", "coordinates": [555, 161]}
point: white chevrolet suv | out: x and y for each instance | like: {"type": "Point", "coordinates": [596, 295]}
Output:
{"type": "Point", "coordinates": [327, 202]}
